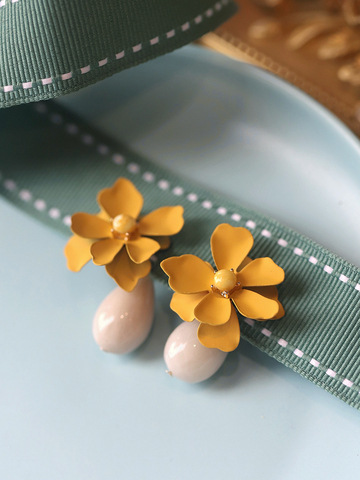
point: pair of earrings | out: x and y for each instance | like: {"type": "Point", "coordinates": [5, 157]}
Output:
{"type": "Point", "coordinates": [206, 299]}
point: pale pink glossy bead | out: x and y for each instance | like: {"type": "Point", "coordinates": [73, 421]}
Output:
{"type": "Point", "coordinates": [123, 320]}
{"type": "Point", "coordinates": [187, 359]}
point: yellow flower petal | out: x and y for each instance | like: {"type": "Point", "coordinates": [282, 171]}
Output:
{"type": "Point", "coordinates": [163, 221]}
{"type": "Point", "coordinates": [188, 274]}
{"type": "Point", "coordinates": [77, 252]}
{"type": "Point", "coordinates": [280, 313]}
{"type": "Point", "coordinates": [122, 197]}
{"type": "Point", "coordinates": [90, 226]}
{"type": "Point", "coordinates": [243, 264]}
{"type": "Point", "coordinates": [252, 305]}
{"type": "Point", "coordinates": [183, 304]}
{"type": "Point", "coordinates": [270, 292]}
{"type": "Point", "coordinates": [213, 309]}
{"type": "Point", "coordinates": [230, 245]}
{"type": "Point", "coordinates": [104, 251]}
{"type": "Point", "coordinates": [224, 337]}
{"type": "Point", "coordinates": [141, 249]}
{"type": "Point", "coordinates": [261, 272]}
{"type": "Point", "coordinates": [125, 272]}
{"type": "Point", "coordinates": [102, 214]}
{"type": "Point", "coordinates": [164, 241]}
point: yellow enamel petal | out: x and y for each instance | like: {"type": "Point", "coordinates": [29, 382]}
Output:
{"type": "Point", "coordinates": [252, 305]}
{"type": "Point", "coordinates": [230, 245]}
{"type": "Point", "coordinates": [163, 241]}
{"type": "Point", "coordinates": [213, 309]}
{"type": "Point", "coordinates": [90, 226]}
{"type": "Point", "coordinates": [261, 272]}
{"type": "Point", "coordinates": [188, 274]}
{"type": "Point", "coordinates": [125, 272]}
{"type": "Point", "coordinates": [104, 251]}
{"type": "Point", "coordinates": [77, 252]}
{"type": "Point", "coordinates": [280, 313]}
{"type": "Point", "coordinates": [141, 249]}
{"type": "Point", "coordinates": [224, 337]}
{"type": "Point", "coordinates": [163, 221]}
{"type": "Point", "coordinates": [102, 214]}
{"type": "Point", "coordinates": [243, 264]}
{"type": "Point", "coordinates": [270, 292]}
{"type": "Point", "coordinates": [122, 197]}
{"type": "Point", "coordinates": [183, 304]}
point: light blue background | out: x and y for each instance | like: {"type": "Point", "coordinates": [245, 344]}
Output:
{"type": "Point", "coordinates": [69, 411]}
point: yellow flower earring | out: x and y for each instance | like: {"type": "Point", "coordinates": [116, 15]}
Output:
{"type": "Point", "coordinates": [210, 299]}
{"type": "Point", "coordinates": [123, 242]}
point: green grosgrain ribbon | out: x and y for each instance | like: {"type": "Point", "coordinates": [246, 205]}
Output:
{"type": "Point", "coordinates": [52, 47]}
{"type": "Point", "coordinates": [319, 336]}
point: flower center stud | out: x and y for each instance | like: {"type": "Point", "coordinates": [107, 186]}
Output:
{"type": "Point", "coordinates": [124, 227]}
{"type": "Point", "coordinates": [225, 282]}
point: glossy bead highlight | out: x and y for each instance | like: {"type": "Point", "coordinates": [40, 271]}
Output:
{"type": "Point", "coordinates": [187, 359]}
{"type": "Point", "coordinates": [123, 320]}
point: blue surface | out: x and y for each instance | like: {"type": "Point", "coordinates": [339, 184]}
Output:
{"type": "Point", "coordinates": [69, 411]}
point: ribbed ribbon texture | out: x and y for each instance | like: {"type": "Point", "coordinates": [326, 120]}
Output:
{"type": "Point", "coordinates": [61, 172]}
{"type": "Point", "coordinates": [52, 47]}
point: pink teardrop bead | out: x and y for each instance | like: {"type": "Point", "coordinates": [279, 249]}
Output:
{"type": "Point", "coordinates": [123, 320]}
{"type": "Point", "coordinates": [187, 359]}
